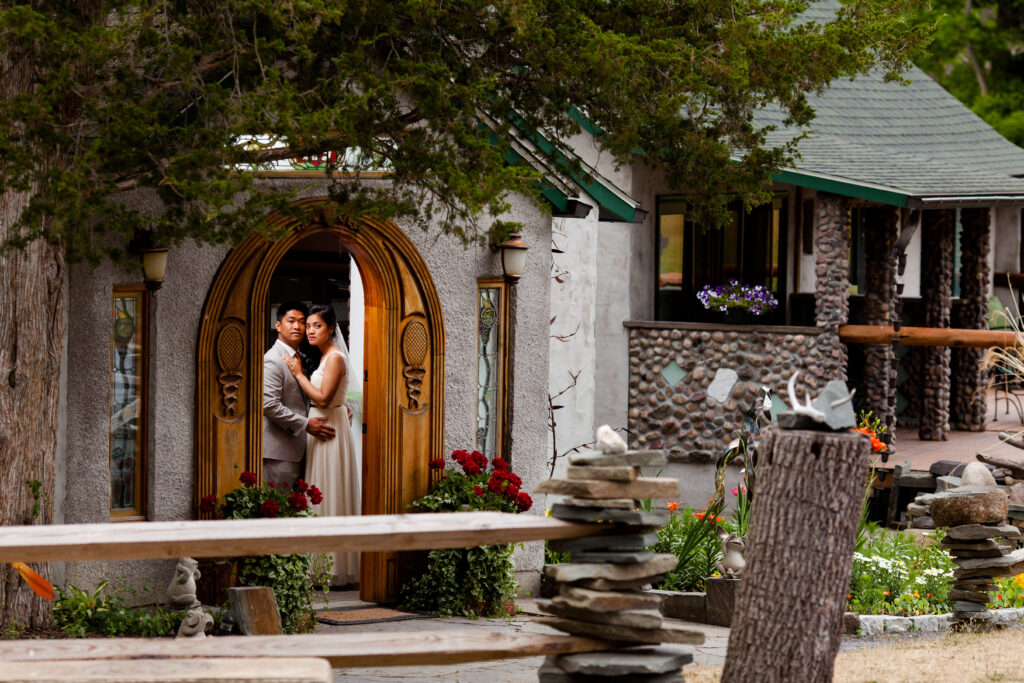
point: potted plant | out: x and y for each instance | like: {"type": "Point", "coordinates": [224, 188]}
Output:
{"type": "Point", "coordinates": [734, 296]}
{"type": "Point", "coordinates": [473, 582]}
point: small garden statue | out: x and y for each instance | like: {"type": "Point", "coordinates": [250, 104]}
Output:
{"type": "Point", "coordinates": [195, 624]}
{"type": "Point", "coordinates": [732, 563]}
{"type": "Point", "coordinates": [181, 593]}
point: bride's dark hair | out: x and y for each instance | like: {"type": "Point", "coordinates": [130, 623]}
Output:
{"type": "Point", "coordinates": [326, 314]}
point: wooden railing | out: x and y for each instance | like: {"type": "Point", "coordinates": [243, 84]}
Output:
{"type": "Point", "coordinates": [47, 659]}
{"type": "Point", "coordinates": [927, 336]}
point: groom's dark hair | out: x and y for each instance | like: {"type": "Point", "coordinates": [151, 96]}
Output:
{"type": "Point", "coordinates": [291, 306]}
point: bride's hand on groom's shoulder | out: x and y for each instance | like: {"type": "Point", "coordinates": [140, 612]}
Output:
{"type": "Point", "coordinates": [294, 365]}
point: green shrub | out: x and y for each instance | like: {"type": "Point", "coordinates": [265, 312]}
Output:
{"type": "Point", "coordinates": [895, 573]}
{"type": "Point", "coordinates": [691, 537]}
{"type": "Point", "coordinates": [79, 613]}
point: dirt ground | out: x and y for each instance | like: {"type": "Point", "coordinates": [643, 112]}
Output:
{"type": "Point", "coordinates": [967, 658]}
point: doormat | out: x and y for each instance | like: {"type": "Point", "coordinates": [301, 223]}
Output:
{"type": "Point", "coordinates": [368, 615]}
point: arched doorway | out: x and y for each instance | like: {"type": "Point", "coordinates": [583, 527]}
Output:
{"type": "Point", "coordinates": [403, 373]}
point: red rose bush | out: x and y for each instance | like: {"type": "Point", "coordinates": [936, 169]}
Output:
{"type": "Point", "coordinates": [469, 581]}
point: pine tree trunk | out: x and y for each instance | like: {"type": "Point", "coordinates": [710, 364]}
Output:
{"type": "Point", "coordinates": [803, 526]}
{"type": "Point", "coordinates": [31, 334]}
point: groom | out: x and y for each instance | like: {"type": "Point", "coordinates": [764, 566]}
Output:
{"type": "Point", "coordinates": [285, 424]}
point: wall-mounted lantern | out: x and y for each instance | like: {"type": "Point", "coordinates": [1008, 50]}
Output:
{"type": "Point", "coordinates": [513, 257]}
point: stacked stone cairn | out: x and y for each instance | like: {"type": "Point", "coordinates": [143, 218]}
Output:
{"type": "Point", "coordinates": [600, 590]}
{"type": "Point", "coordinates": [982, 545]}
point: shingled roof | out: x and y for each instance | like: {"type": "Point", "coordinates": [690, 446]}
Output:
{"type": "Point", "coordinates": [909, 145]}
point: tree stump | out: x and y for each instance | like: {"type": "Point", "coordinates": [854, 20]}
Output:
{"type": "Point", "coordinates": [789, 607]}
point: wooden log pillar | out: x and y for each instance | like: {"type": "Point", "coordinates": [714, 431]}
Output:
{"type": "Point", "coordinates": [879, 382]}
{"type": "Point", "coordinates": [968, 377]}
{"type": "Point", "coordinates": [937, 231]}
{"type": "Point", "coordinates": [803, 527]}
{"type": "Point", "coordinates": [831, 285]}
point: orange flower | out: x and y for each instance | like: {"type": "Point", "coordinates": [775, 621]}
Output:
{"type": "Point", "coordinates": [672, 506]}
{"type": "Point", "coordinates": [701, 515]}
{"type": "Point", "coordinates": [885, 592]}
{"type": "Point", "coordinates": [876, 443]}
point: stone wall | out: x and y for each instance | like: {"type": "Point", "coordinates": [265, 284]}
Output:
{"type": "Point", "coordinates": [968, 381]}
{"type": "Point", "coordinates": [691, 384]}
{"type": "Point", "coordinates": [936, 287]}
{"type": "Point", "coordinates": [879, 381]}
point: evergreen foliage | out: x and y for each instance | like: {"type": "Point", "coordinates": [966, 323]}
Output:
{"type": "Point", "coordinates": [154, 96]}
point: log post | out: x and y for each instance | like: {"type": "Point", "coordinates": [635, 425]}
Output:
{"type": "Point", "coordinates": [803, 525]}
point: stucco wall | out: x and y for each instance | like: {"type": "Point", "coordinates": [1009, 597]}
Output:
{"type": "Point", "coordinates": [177, 308]}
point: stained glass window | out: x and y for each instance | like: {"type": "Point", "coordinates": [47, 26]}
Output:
{"type": "Point", "coordinates": [127, 403]}
{"type": "Point", "coordinates": [490, 367]}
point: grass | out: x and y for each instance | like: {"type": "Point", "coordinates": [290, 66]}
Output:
{"type": "Point", "coordinates": [970, 658]}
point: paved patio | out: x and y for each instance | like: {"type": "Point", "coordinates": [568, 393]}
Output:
{"type": "Point", "coordinates": [962, 446]}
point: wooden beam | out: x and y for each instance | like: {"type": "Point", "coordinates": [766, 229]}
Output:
{"type": "Point", "coordinates": [224, 538]}
{"type": "Point", "coordinates": [927, 336]}
{"type": "Point", "coordinates": [340, 649]}
{"type": "Point", "coordinates": [1015, 280]}
{"type": "Point", "coordinates": [207, 670]}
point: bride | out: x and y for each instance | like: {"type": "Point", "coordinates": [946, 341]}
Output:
{"type": "Point", "coordinates": [332, 465]}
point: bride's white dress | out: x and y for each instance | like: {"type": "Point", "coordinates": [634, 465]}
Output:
{"type": "Point", "coordinates": [333, 467]}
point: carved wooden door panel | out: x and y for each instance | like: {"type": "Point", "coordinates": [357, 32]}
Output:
{"type": "Point", "coordinates": [403, 391]}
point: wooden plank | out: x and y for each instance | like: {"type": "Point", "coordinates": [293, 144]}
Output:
{"type": "Point", "coordinates": [282, 670]}
{"type": "Point", "coordinates": [927, 336]}
{"type": "Point", "coordinates": [340, 649]}
{"type": "Point", "coordinates": [1015, 280]}
{"type": "Point", "coordinates": [221, 538]}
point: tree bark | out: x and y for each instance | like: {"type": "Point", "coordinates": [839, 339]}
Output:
{"type": "Point", "coordinates": [789, 608]}
{"type": "Point", "coordinates": [31, 337]}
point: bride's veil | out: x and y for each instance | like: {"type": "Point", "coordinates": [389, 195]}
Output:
{"type": "Point", "coordinates": [339, 341]}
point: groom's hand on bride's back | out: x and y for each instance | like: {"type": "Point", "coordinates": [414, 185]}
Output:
{"type": "Point", "coordinates": [318, 427]}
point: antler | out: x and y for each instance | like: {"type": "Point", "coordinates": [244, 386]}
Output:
{"type": "Point", "coordinates": [802, 408]}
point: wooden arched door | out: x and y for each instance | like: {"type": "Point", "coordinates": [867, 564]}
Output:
{"type": "Point", "coordinates": [403, 380]}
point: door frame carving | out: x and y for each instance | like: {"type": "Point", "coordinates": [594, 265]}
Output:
{"type": "Point", "coordinates": [403, 398]}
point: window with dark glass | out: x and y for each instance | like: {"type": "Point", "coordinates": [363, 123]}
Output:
{"type": "Point", "coordinates": [128, 403]}
{"type": "Point", "coordinates": [750, 249]}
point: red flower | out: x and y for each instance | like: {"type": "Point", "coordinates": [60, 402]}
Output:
{"type": "Point", "coordinates": [248, 479]}
{"type": "Point", "coordinates": [270, 484]}
{"type": "Point", "coordinates": [478, 490]}
{"type": "Point", "coordinates": [300, 485]}
{"type": "Point", "coordinates": [436, 464]}
{"type": "Point", "coordinates": [523, 501]}
{"type": "Point", "coordinates": [315, 496]}
{"type": "Point", "coordinates": [208, 503]}
{"type": "Point", "coordinates": [472, 463]}
{"type": "Point", "coordinates": [500, 465]}
{"type": "Point", "coordinates": [269, 509]}
{"type": "Point", "coordinates": [298, 501]}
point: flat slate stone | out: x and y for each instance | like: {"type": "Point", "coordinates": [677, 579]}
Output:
{"type": "Point", "coordinates": [976, 532]}
{"type": "Point", "coordinates": [604, 503]}
{"type": "Point", "coordinates": [571, 572]}
{"type": "Point", "coordinates": [605, 601]}
{"type": "Point", "coordinates": [609, 585]}
{"type": "Point", "coordinates": [982, 584]}
{"type": "Point", "coordinates": [582, 514]}
{"type": "Point", "coordinates": [640, 660]}
{"type": "Point", "coordinates": [635, 557]}
{"type": "Point", "coordinates": [969, 596]}
{"type": "Point", "coordinates": [635, 618]}
{"type": "Point", "coordinates": [668, 633]}
{"type": "Point", "coordinates": [1015, 557]}
{"type": "Point", "coordinates": [604, 473]}
{"type": "Point", "coordinates": [647, 458]}
{"type": "Point", "coordinates": [990, 572]}
{"type": "Point", "coordinates": [987, 552]}
{"type": "Point", "coordinates": [968, 606]}
{"type": "Point", "coordinates": [595, 488]}
{"type": "Point", "coordinates": [973, 616]}
{"type": "Point", "coordinates": [549, 672]}
{"type": "Point", "coordinates": [598, 543]}
{"type": "Point", "coordinates": [982, 544]}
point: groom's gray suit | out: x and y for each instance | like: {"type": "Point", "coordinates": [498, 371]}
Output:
{"type": "Point", "coordinates": [284, 418]}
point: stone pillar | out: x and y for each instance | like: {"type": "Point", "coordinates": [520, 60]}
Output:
{"type": "Point", "coordinates": [880, 235]}
{"type": "Point", "coordinates": [937, 236]}
{"type": "Point", "coordinates": [969, 380]}
{"type": "Point", "coordinates": [832, 282]}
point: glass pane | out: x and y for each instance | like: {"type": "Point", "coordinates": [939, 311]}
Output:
{"type": "Point", "coordinates": [670, 258]}
{"type": "Point", "coordinates": [731, 264]}
{"type": "Point", "coordinates": [126, 401]}
{"type": "Point", "coordinates": [488, 371]}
